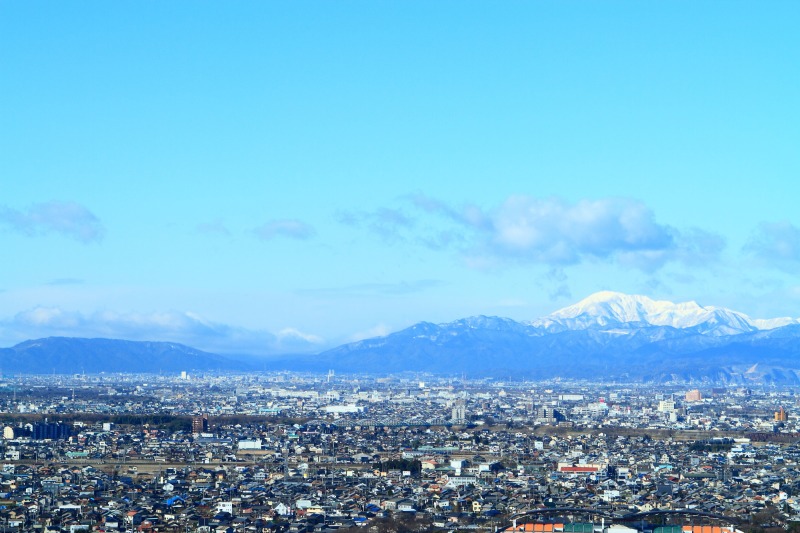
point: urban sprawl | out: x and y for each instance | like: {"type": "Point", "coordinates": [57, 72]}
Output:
{"type": "Point", "coordinates": [302, 453]}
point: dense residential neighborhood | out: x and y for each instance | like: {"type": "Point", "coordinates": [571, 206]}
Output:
{"type": "Point", "coordinates": [305, 453]}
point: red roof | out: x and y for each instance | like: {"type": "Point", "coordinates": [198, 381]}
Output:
{"type": "Point", "coordinates": [578, 469]}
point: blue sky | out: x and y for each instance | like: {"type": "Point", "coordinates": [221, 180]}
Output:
{"type": "Point", "coordinates": [267, 177]}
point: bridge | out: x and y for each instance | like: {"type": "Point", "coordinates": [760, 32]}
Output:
{"type": "Point", "coordinates": [685, 512]}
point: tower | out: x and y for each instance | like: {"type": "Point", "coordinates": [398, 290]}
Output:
{"type": "Point", "coordinates": [200, 423]}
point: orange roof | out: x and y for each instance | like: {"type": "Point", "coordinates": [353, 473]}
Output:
{"type": "Point", "coordinates": [706, 529]}
{"type": "Point", "coordinates": [537, 527]}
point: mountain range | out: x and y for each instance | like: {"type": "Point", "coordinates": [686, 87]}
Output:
{"type": "Point", "coordinates": [607, 336]}
{"type": "Point", "coordinates": [607, 308]}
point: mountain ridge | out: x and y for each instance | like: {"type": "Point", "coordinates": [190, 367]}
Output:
{"type": "Point", "coordinates": [67, 355]}
{"type": "Point", "coordinates": [607, 307]}
{"type": "Point", "coordinates": [607, 335]}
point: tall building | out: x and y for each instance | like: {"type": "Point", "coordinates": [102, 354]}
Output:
{"type": "Point", "coordinates": [548, 415]}
{"type": "Point", "coordinates": [666, 406]}
{"type": "Point", "coordinates": [200, 423]}
{"type": "Point", "coordinates": [51, 430]}
{"type": "Point", "coordinates": [781, 415]}
{"type": "Point", "coordinates": [694, 396]}
{"type": "Point", "coordinates": [459, 413]}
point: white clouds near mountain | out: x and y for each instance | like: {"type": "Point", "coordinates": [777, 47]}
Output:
{"type": "Point", "coordinates": [555, 232]}
{"type": "Point", "coordinates": [184, 327]}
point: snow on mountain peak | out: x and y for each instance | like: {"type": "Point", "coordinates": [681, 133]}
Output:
{"type": "Point", "coordinates": [623, 307]}
{"type": "Point", "coordinates": [608, 308]}
{"type": "Point", "coordinates": [772, 323]}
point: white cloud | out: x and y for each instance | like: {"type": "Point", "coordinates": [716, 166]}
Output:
{"type": "Point", "coordinates": [560, 292]}
{"type": "Point", "coordinates": [776, 244]}
{"type": "Point", "coordinates": [68, 218]}
{"type": "Point", "coordinates": [48, 317]}
{"type": "Point", "coordinates": [557, 233]}
{"type": "Point", "coordinates": [469, 215]}
{"type": "Point", "coordinates": [391, 225]}
{"type": "Point", "coordinates": [379, 330]}
{"type": "Point", "coordinates": [292, 333]}
{"type": "Point", "coordinates": [291, 228]}
{"type": "Point", "coordinates": [183, 327]}
{"type": "Point", "coordinates": [548, 231]}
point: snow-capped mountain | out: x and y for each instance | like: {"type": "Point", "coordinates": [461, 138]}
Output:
{"type": "Point", "coordinates": [608, 309]}
{"type": "Point", "coordinates": [772, 323]}
{"type": "Point", "coordinates": [608, 335]}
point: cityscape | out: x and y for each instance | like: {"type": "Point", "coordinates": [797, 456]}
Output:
{"type": "Point", "coordinates": [399, 266]}
{"type": "Point", "coordinates": [296, 452]}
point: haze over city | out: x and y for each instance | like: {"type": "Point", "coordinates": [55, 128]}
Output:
{"type": "Point", "coordinates": [258, 177]}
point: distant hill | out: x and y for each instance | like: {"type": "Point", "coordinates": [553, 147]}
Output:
{"type": "Point", "coordinates": [607, 336]}
{"type": "Point", "coordinates": [68, 355]}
